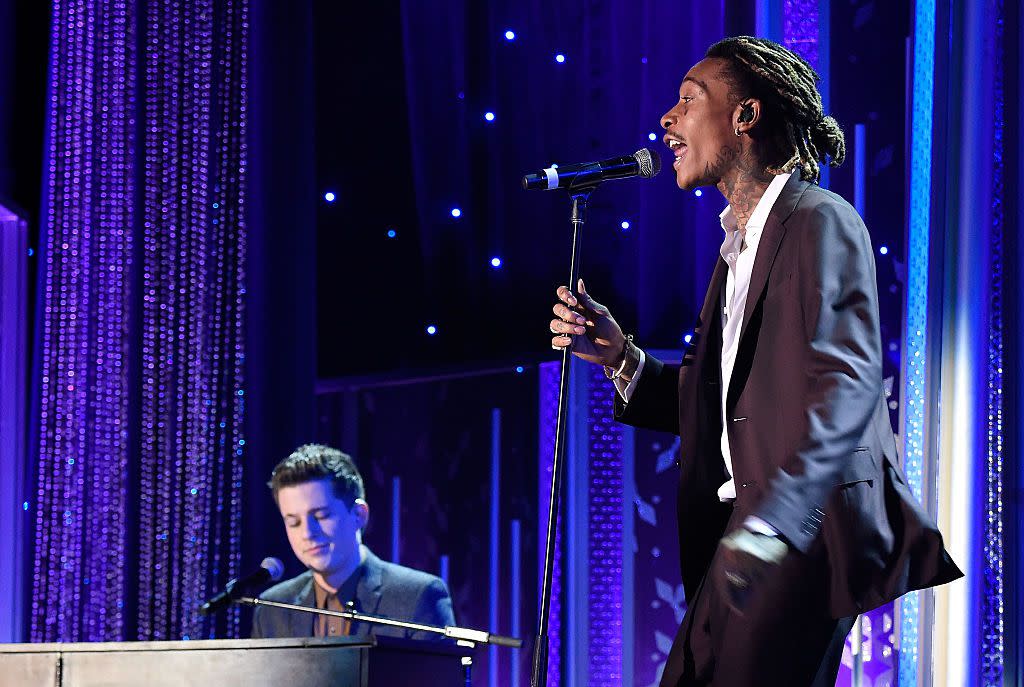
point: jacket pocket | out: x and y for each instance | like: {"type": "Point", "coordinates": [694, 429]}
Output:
{"type": "Point", "coordinates": [859, 467]}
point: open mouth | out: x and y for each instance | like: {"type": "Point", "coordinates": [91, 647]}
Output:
{"type": "Point", "coordinates": [678, 148]}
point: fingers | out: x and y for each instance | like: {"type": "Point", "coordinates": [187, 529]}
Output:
{"type": "Point", "coordinates": [574, 314]}
{"type": "Point", "coordinates": [585, 300]}
{"type": "Point", "coordinates": [560, 342]}
{"type": "Point", "coordinates": [567, 315]}
{"type": "Point", "coordinates": [560, 327]}
{"type": "Point", "coordinates": [583, 304]}
{"type": "Point", "coordinates": [566, 296]}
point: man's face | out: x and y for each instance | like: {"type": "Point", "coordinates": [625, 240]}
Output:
{"type": "Point", "coordinates": [699, 129]}
{"type": "Point", "coordinates": [323, 531]}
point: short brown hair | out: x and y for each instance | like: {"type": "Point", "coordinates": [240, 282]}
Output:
{"type": "Point", "coordinates": [312, 462]}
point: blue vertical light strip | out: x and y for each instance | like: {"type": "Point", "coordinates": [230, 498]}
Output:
{"type": "Point", "coordinates": [992, 635]}
{"type": "Point", "coordinates": [860, 147]}
{"type": "Point", "coordinates": [916, 310]}
{"type": "Point", "coordinates": [445, 569]}
{"type": "Point", "coordinates": [515, 598]}
{"type": "Point", "coordinates": [495, 545]}
{"type": "Point", "coordinates": [396, 519]}
{"type": "Point", "coordinates": [768, 19]}
{"type": "Point", "coordinates": [14, 505]}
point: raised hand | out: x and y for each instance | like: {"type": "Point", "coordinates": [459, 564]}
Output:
{"type": "Point", "coordinates": [587, 326]}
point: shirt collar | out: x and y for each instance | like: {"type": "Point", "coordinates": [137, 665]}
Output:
{"type": "Point", "coordinates": [760, 214]}
{"type": "Point", "coordinates": [346, 592]}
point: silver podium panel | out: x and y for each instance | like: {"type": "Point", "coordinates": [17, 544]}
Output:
{"type": "Point", "coordinates": [335, 662]}
{"type": "Point", "coordinates": [28, 669]}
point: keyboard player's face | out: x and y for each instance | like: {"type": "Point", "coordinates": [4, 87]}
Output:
{"type": "Point", "coordinates": [323, 531]}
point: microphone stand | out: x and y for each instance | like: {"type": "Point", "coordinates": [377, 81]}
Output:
{"type": "Point", "coordinates": [539, 677]}
{"type": "Point", "coordinates": [464, 635]}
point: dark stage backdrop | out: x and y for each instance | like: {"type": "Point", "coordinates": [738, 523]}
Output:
{"type": "Point", "coordinates": [402, 96]}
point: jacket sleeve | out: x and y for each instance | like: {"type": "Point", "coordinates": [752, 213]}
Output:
{"type": "Point", "coordinates": [838, 291]}
{"type": "Point", "coordinates": [655, 401]}
{"type": "Point", "coordinates": [257, 624]}
{"type": "Point", "coordinates": [434, 608]}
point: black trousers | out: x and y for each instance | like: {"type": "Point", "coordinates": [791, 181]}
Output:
{"type": "Point", "coordinates": [784, 637]}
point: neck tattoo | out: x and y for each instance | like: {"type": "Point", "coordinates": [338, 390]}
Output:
{"type": "Point", "coordinates": [742, 180]}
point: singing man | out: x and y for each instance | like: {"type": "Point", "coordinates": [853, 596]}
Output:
{"type": "Point", "coordinates": [793, 513]}
{"type": "Point", "coordinates": [319, 492]}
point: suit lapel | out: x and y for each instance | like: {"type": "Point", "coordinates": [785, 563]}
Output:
{"type": "Point", "coordinates": [368, 591]}
{"type": "Point", "coordinates": [767, 249]}
{"type": "Point", "coordinates": [302, 623]}
{"type": "Point", "coordinates": [771, 237]}
{"type": "Point", "coordinates": [707, 312]}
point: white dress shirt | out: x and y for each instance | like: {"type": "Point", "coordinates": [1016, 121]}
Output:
{"type": "Point", "coordinates": [738, 250]}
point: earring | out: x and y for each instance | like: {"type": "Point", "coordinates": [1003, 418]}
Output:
{"type": "Point", "coordinates": [738, 133]}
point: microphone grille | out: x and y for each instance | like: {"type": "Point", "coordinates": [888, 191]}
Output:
{"type": "Point", "coordinates": [650, 162]}
{"type": "Point", "coordinates": [274, 566]}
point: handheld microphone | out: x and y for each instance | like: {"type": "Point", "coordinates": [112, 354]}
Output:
{"type": "Point", "coordinates": [643, 163]}
{"type": "Point", "coordinates": [270, 570]}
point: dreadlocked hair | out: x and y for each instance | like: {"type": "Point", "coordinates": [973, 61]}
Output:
{"type": "Point", "coordinates": [794, 131]}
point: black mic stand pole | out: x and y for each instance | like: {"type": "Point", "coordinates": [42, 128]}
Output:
{"type": "Point", "coordinates": [539, 677]}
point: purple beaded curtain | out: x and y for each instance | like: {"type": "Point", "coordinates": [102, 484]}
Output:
{"type": "Point", "coordinates": [78, 583]}
{"type": "Point", "coordinates": [142, 298]}
{"type": "Point", "coordinates": [192, 334]}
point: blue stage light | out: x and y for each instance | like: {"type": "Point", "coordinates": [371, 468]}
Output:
{"type": "Point", "coordinates": [31, 252]}
{"type": "Point", "coordinates": [698, 193]}
{"type": "Point", "coordinates": [495, 261]}
{"type": "Point", "coordinates": [559, 58]}
{"type": "Point", "coordinates": [392, 233]}
{"type": "Point", "coordinates": [653, 136]}
{"type": "Point", "coordinates": [489, 116]}
{"type": "Point", "coordinates": [624, 224]}
{"type": "Point", "coordinates": [884, 250]}
{"type": "Point", "coordinates": [519, 369]}
{"type": "Point", "coordinates": [643, 60]}
{"type": "Point", "coordinates": [461, 95]}
{"type": "Point", "coordinates": [510, 35]}
{"type": "Point", "coordinates": [687, 338]}
{"type": "Point", "coordinates": [456, 212]}
{"type": "Point", "coordinates": [329, 196]}
{"type": "Point", "coordinates": [431, 330]}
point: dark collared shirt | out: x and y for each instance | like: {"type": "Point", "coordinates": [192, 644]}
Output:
{"type": "Point", "coordinates": [330, 626]}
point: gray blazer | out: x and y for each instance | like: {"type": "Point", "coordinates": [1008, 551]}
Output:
{"type": "Point", "coordinates": [386, 589]}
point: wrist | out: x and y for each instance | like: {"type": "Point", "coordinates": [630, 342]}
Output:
{"type": "Point", "coordinates": [625, 364]}
{"type": "Point", "coordinates": [617, 361]}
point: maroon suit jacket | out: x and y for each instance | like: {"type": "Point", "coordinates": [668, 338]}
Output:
{"type": "Point", "coordinates": [813, 452]}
